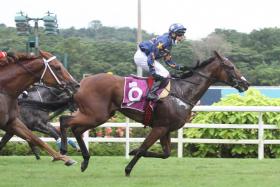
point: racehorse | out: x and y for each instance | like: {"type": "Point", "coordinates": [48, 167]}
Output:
{"type": "Point", "coordinates": [35, 118]}
{"type": "Point", "coordinates": [18, 71]}
{"type": "Point", "coordinates": [99, 96]}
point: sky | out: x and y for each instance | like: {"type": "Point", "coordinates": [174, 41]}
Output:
{"type": "Point", "coordinates": [200, 17]}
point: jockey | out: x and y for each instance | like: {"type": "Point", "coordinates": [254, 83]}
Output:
{"type": "Point", "coordinates": [151, 51]}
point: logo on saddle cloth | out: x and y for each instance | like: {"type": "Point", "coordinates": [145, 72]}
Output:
{"type": "Point", "coordinates": [135, 93]}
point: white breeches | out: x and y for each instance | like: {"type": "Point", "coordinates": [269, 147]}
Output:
{"type": "Point", "coordinates": [140, 59]}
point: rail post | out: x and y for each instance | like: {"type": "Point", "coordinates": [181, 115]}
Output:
{"type": "Point", "coordinates": [127, 139]}
{"type": "Point", "coordinates": [260, 138]}
{"type": "Point", "coordinates": [86, 138]}
{"type": "Point", "coordinates": [180, 143]}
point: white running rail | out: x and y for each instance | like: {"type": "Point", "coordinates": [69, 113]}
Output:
{"type": "Point", "coordinates": [180, 140]}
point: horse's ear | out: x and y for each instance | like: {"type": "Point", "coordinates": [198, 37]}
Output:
{"type": "Point", "coordinates": [217, 54]}
{"type": "Point", "coordinates": [41, 52]}
{"type": "Point", "coordinates": [44, 54]}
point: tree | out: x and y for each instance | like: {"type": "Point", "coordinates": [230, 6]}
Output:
{"type": "Point", "coordinates": [204, 48]}
{"type": "Point", "coordinates": [95, 25]}
{"type": "Point", "coordinates": [257, 54]}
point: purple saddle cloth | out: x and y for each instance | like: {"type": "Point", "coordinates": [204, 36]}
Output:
{"type": "Point", "coordinates": [135, 93]}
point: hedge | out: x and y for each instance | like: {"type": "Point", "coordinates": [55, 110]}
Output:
{"type": "Point", "coordinates": [252, 97]}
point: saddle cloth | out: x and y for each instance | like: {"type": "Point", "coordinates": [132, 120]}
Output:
{"type": "Point", "coordinates": [135, 93]}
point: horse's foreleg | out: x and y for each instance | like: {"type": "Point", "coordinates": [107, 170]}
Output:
{"type": "Point", "coordinates": [63, 128]}
{"type": "Point", "coordinates": [48, 129]}
{"type": "Point", "coordinates": [7, 136]}
{"type": "Point", "coordinates": [34, 150]}
{"type": "Point", "coordinates": [19, 129]}
{"type": "Point", "coordinates": [154, 135]}
{"type": "Point", "coordinates": [165, 142]}
{"type": "Point", "coordinates": [78, 131]}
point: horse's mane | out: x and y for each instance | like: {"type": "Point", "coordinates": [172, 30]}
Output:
{"type": "Point", "coordinates": [204, 63]}
{"type": "Point", "coordinates": [197, 66]}
{"type": "Point", "coordinates": [15, 57]}
{"type": "Point", "coordinates": [24, 56]}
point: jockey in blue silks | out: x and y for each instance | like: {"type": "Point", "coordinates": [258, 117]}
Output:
{"type": "Point", "coordinates": [151, 51]}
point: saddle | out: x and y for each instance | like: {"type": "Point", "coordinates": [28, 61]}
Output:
{"type": "Point", "coordinates": [135, 95]}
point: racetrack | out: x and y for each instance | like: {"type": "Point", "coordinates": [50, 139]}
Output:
{"type": "Point", "coordinates": [25, 171]}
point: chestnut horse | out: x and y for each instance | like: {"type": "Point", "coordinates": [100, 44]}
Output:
{"type": "Point", "coordinates": [35, 118]}
{"type": "Point", "coordinates": [17, 72]}
{"type": "Point", "coordinates": [99, 96]}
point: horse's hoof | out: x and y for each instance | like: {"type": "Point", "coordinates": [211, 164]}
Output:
{"type": "Point", "coordinates": [127, 171]}
{"type": "Point", "coordinates": [70, 162]}
{"type": "Point", "coordinates": [84, 166]}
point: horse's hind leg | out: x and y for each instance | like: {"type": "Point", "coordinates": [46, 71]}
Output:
{"type": "Point", "coordinates": [7, 136]}
{"type": "Point", "coordinates": [154, 135]}
{"type": "Point", "coordinates": [79, 123]}
{"type": "Point", "coordinates": [19, 129]}
{"type": "Point", "coordinates": [78, 131]}
{"type": "Point", "coordinates": [165, 142]}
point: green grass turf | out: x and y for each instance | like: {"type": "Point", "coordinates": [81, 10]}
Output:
{"type": "Point", "coordinates": [25, 171]}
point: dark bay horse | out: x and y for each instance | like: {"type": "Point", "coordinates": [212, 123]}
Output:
{"type": "Point", "coordinates": [35, 118]}
{"type": "Point", "coordinates": [17, 72]}
{"type": "Point", "coordinates": [99, 96]}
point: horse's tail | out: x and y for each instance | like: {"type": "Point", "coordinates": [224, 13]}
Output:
{"type": "Point", "coordinates": [48, 106]}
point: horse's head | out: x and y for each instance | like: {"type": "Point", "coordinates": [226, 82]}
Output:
{"type": "Point", "coordinates": [55, 74]}
{"type": "Point", "coordinates": [229, 74]}
{"type": "Point", "coordinates": [43, 93]}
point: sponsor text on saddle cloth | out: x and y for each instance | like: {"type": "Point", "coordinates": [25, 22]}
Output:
{"type": "Point", "coordinates": [135, 93]}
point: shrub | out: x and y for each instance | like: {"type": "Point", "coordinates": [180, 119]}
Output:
{"type": "Point", "coordinates": [251, 98]}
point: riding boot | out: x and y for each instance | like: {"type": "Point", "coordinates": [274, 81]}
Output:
{"type": "Point", "coordinates": [152, 95]}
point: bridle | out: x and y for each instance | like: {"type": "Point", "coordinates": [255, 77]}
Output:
{"type": "Point", "coordinates": [47, 66]}
{"type": "Point", "coordinates": [47, 87]}
{"type": "Point", "coordinates": [233, 81]}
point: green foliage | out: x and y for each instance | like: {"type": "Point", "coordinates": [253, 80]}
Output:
{"type": "Point", "coordinates": [95, 149]}
{"type": "Point", "coordinates": [100, 48]}
{"type": "Point", "coordinates": [99, 149]}
{"type": "Point", "coordinates": [251, 98]}
{"type": "Point", "coordinates": [256, 54]}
